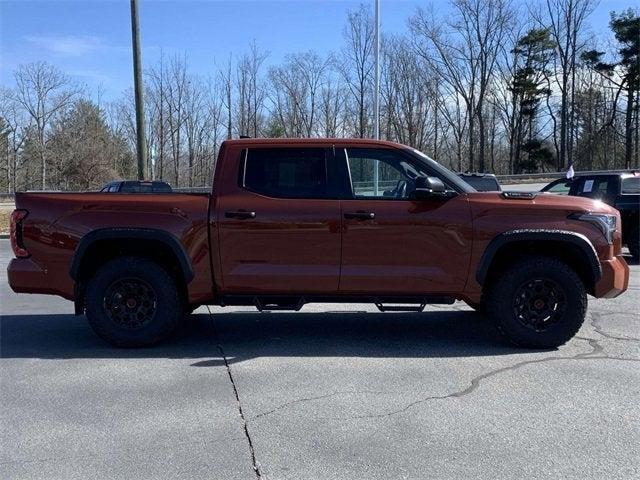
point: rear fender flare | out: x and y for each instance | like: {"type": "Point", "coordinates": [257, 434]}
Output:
{"type": "Point", "coordinates": [133, 234]}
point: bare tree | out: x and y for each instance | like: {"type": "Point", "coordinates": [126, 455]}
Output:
{"type": "Point", "coordinates": [409, 94]}
{"type": "Point", "coordinates": [212, 130]}
{"type": "Point", "coordinates": [225, 78]}
{"type": "Point", "coordinates": [177, 85]}
{"type": "Point", "coordinates": [14, 131]}
{"type": "Point", "coordinates": [357, 64]}
{"type": "Point", "coordinates": [43, 91]}
{"type": "Point", "coordinates": [195, 123]}
{"type": "Point", "coordinates": [295, 93]}
{"type": "Point", "coordinates": [157, 98]}
{"type": "Point", "coordinates": [250, 92]}
{"type": "Point", "coordinates": [464, 50]}
{"type": "Point", "coordinates": [332, 105]}
{"type": "Point", "coordinates": [565, 20]}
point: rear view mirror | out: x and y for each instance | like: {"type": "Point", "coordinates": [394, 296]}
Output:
{"type": "Point", "coordinates": [426, 187]}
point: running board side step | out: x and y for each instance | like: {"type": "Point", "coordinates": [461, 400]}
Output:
{"type": "Point", "coordinates": [410, 304]}
{"type": "Point", "coordinates": [275, 303]}
{"type": "Point", "coordinates": [400, 308]}
{"type": "Point", "coordinates": [387, 303]}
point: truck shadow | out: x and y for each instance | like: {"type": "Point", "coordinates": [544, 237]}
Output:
{"type": "Point", "coordinates": [244, 336]}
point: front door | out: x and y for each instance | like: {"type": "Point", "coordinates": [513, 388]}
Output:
{"type": "Point", "coordinates": [279, 223]}
{"type": "Point", "coordinates": [392, 244]}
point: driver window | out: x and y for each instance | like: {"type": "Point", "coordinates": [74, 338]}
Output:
{"type": "Point", "coordinates": [380, 173]}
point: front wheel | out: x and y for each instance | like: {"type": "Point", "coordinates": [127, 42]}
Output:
{"type": "Point", "coordinates": [132, 302]}
{"type": "Point", "coordinates": [538, 302]}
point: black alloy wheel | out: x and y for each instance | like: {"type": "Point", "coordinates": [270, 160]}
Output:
{"type": "Point", "coordinates": [539, 303]}
{"type": "Point", "coordinates": [130, 302]}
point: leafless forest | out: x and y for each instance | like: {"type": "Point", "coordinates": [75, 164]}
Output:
{"type": "Point", "coordinates": [494, 86]}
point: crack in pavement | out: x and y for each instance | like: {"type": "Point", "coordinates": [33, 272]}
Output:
{"type": "Point", "coordinates": [593, 354]}
{"type": "Point", "coordinates": [256, 467]}
{"type": "Point", "coordinates": [596, 349]}
{"type": "Point", "coordinates": [476, 381]}
{"type": "Point", "coordinates": [596, 317]}
{"type": "Point", "coordinates": [319, 397]}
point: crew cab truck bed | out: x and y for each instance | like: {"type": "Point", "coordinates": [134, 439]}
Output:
{"type": "Point", "coordinates": [319, 220]}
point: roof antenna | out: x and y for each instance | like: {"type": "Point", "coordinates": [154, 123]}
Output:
{"type": "Point", "coordinates": [245, 136]}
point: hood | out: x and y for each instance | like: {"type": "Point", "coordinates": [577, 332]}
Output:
{"type": "Point", "coordinates": [540, 202]}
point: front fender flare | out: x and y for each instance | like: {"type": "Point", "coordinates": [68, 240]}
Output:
{"type": "Point", "coordinates": [539, 235]}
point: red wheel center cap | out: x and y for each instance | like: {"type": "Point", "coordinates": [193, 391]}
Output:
{"type": "Point", "coordinates": [131, 303]}
{"type": "Point", "coordinates": [539, 304]}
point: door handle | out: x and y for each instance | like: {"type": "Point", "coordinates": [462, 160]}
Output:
{"type": "Point", "coordinates": [241, 214]}
{"type": "Point", "coordinates": [360, 215]}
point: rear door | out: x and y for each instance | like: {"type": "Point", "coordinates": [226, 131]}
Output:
{"type": "Point", "coordinates": [279, 222]}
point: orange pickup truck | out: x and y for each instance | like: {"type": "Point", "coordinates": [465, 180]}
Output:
{"type": "Point", "coordinates": [289, 222]}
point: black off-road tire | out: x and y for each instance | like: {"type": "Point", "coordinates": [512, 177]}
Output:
{"type": "Point", "coordinates": [133, 302]}
{"type": "Point", "coordinates": [516, 302]}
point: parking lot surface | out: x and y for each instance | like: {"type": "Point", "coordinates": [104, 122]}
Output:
{"type": "Point", "coordinates": [331, 392]}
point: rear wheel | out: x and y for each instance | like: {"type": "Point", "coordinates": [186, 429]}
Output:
{"type": "Point", "coordinates": [538, 302]}
{"type": "Point", "coordinates": [132, 302]}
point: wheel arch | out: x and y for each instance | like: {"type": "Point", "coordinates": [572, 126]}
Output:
{"type": "Point", "coordinates": [571, 247]}
{"type": "Point", "coordinates": [100, 246]}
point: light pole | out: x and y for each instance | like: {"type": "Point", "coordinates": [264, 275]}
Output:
{"type": "Point", "coordinates": [376, 94]}
{"type": "Point", "coordinates": [137, 82]}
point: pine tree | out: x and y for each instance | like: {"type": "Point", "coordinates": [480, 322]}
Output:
{"type": "Point", "coordinates": [530, 85]}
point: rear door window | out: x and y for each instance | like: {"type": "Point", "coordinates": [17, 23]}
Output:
{"type": "Point", "coordinates": [286, 172]}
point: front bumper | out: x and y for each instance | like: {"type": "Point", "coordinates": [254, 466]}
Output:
{"type": "Point", "coordinates": [615, 278]}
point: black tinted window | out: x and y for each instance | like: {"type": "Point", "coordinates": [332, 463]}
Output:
{"type": "Point", "coordinates": [286, 172]}
{"type": "Point", "coordinates": [594, 187]}
{"type": "Point", "coordinates": [631, 185]}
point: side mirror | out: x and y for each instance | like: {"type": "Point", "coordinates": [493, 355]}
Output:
{"type": "Point", "coordinates": [426, 187]}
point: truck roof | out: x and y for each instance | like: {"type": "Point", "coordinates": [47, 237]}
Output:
{"type": "Point", "coordinates": [313, 141]}
{"type": "Point", "coordinates": [626, 173]}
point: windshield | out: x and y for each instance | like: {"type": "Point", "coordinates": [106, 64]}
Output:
{"type": "Point", "coordinates": [482, 184]}
{"type": "Point", "coordinates": [444, 173]}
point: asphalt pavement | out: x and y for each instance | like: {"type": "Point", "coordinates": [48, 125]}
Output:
{"type": "Point", "coordinates": [331, 392]}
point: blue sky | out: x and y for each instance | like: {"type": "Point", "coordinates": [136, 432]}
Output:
{"type": "Point", "coordinates": [90, 39]}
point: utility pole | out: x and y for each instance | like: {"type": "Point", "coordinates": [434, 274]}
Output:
{"type": "Point", "coordinates": [376, 95]}
{"type": "Point", "coordinates": [137, 81]}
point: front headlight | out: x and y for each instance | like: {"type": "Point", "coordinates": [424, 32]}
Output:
{"type": "Point", "coordinates": [605, 223]}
